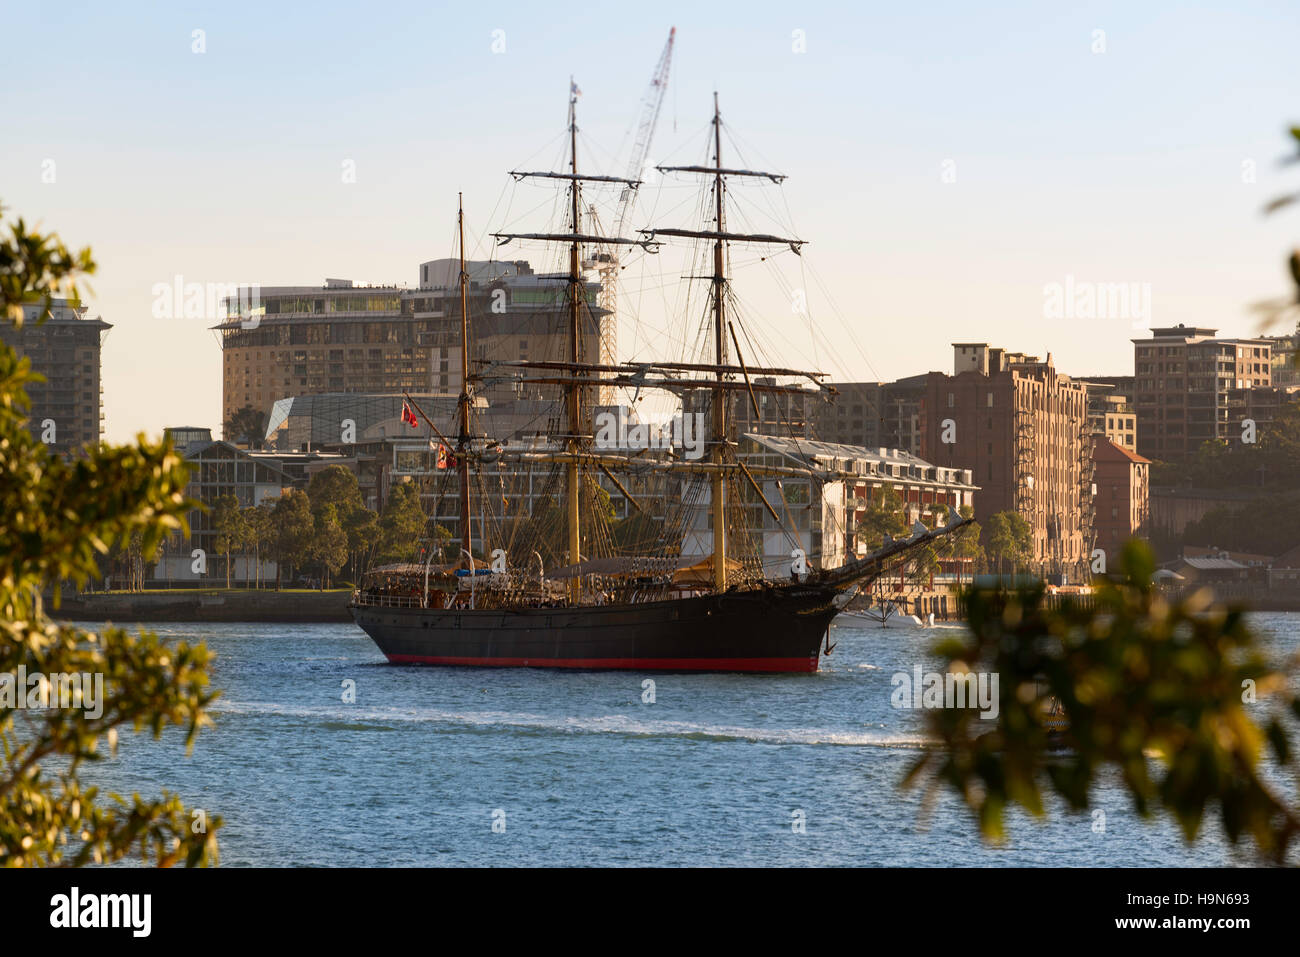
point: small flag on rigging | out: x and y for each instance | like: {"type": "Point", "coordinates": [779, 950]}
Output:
{"type": "Point", "coordinates": [409, 417]}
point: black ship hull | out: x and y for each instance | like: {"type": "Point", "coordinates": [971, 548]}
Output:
{"type": "Point", "coordinates": [772, 629]}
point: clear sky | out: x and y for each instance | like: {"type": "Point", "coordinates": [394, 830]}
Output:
{"type": "Point", "coordinates": [225, 166]}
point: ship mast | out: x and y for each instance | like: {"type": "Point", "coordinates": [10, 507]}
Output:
{"type": "Point", "coordinates": [721, 386]}
{"type": "Point", "coordinates": [575, 375]}
{"type": "Point", "coordinates": [574, 385]}
{"type": "Point", "coordinates": [573, 391]}
{"type": "Point", "coordinates": [462, 440]}
{"type": "Point", "coordinates": [720, 395]}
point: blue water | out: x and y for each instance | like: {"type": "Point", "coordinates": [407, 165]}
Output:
{"type": "Point", "coordinates": [712, 773]}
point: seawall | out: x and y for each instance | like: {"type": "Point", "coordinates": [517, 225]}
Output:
{"type": "Point", "coordinates": [329, 606]}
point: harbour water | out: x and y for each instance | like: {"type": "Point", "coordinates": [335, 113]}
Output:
{"type": "Point", "coordinates": [576, 768]}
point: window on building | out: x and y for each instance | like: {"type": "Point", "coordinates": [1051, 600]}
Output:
{"type": "Point", "coordinates": [951, 400]}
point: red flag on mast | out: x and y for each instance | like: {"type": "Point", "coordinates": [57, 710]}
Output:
{"type": "Point", "coordinates": [409, 417]}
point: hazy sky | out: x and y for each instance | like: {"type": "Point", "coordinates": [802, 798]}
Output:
{"type": "Point", "coordinates": [946, 161]}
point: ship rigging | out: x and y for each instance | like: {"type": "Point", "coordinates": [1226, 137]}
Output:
{"type": "Point", "coordinates": [559, 588]}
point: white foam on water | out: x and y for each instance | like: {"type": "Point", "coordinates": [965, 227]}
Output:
{"type": "Point", "coordinates": [596, 724]}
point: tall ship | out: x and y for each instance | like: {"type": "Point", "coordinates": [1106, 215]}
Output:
{"type": "Point", "coordinates": [543, 573]}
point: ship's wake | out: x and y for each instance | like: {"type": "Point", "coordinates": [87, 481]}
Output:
{"type": "Point", "coordinates": [390, 719]}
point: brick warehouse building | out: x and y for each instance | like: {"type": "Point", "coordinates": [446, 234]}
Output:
{"type": "Point", "coordinates": [1123, 479]}
{"type": "Point", "coordinates": [1022, 429]}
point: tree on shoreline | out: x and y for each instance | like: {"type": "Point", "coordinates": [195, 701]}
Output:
{"type": "Point", "coordinates": [231, 529]}
{"type": "Point", "coordinates": [1008, 537]}
{"type": "Point", "coordinates": [967, 544]}
{"type": "Point", "coordinates": [336, 488]}
{"type": "Point", "coordinates": [362, 529]}
{"type": "Point", "coordinates": [329, 543]}
{"type": "Point", "coordinates": [401, 523]}
{"type": "Point", "coordinates": [292, 518]}
{"type": "Point", "coordinates": [882, 518]}
{"type": "Point", "coordinates": [261, 529]}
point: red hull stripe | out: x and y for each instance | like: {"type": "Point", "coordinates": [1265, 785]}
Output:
{"type": "Point", "coordinates": [636, 664]}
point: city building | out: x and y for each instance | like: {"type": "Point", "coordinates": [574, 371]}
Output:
{"type": "Point", "coordinates": [1284, 570]}
{"type": "Point", "coordinates": [367, 435]}
{"type": "Point", "coordinates": [873, 414]}
{"type": "Point", "coordinates": [336, 420]}
{"type": "Point", "coordinates": [504, 492]}
{"type": "Point", "coordinates": [1249, 559]}
{"type": "Point", "coordinates": [821, 515]}
{"type": "Point", "coordinates": [1119, 384]}
{"type": "Point", "coordinates": [1022, 428]}
{"type": "Point", "coordinates": [1285, 371]}
{"type": "Point", "coordinates": [1174, 508]}
{"type": "Point", "coordinates": [1253, 411]}
{"type": "Point", "coordinates": [1122, 479]}
{"type": "Point", "coordinates": [305, 339]}
{"type": "Point", "coordinates": [342, 338]}
{"type": "Point", "coordinates": [855, 416]}
{"type": "Point", "coordinates": [901, 427]}
{"type": "Point", "coordinates": [1111, 414]}
{"type": "Point", "coordinates": [515, 314]}
{"type": "Point", "coordinates": [63, 344]}
{"type": "Point", "coordinates": [1211, 570]}
{"type": "Point", "coordinates": [217, 469]}
{"type": "Point", "coordinates": [1191, 388]}
{"type": "Point", "coordinates": [183, 436]}
{"type": "Point", "coordinates": [779, 413]}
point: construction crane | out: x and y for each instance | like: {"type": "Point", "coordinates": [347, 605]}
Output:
{"type": "Point", "coordinates": [605, 258]}
{"type": "Point", "coordinates": [652, 101]}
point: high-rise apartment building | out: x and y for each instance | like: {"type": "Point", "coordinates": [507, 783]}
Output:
{"type": "Point", "coordinates": [63, 345]}
{"type": "Point", "coordinates": [1191, 388]}
{"type": "Point", "coordinates": [874, 414]}
{"type": "Point", "coordinates": [1022, 428]}
{"type": "Point", "coordinates": [342, 338]}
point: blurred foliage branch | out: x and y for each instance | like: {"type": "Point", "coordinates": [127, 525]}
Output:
{"type": "Point", "coordinates": [1173, 694]}
{"type": "Point", "coordinates": [1273, 311]}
